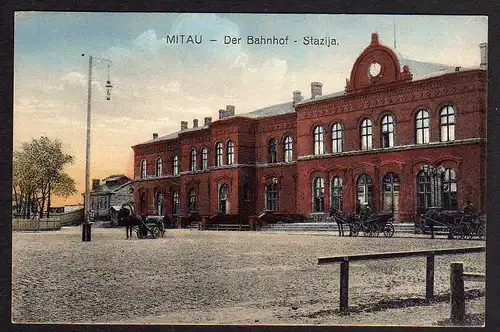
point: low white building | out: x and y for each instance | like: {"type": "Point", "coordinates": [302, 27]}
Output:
{"type": "Point", "coordinates": [107, 196]}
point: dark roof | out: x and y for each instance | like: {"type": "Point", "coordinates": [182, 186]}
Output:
{"type": "Point", "coordinates": [110, 187]}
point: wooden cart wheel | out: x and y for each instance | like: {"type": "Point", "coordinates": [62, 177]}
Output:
{"type": "Point", "coordinates": [156, 232]}
{"type": "Point", "coordinates": [456, 232]}
{"type": "Point", "coordinates": [388, 230]}
{"type": "Point", "coordinates": [356, 228]}
{"type": "Point", "coordinates": [481, 232]}
{"type": "Point", "coordinates": [138, 232]}
{"type": "Point", "coordinates": [466, 232]}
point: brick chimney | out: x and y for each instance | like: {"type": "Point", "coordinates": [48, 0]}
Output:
{"type": "Point", "coordinates": [184, 125]}
{"type": "Point", "coordinates": [195, 123]}
{"type": "Point", "coordinates": [208, 120]}
{"type": "Point", "coordinates": [483, 47]}
{"type": "Point", "coordinates": [229, 110]}
{"type": "Point", "coordinates": [155, 135]}
{"type": "Point", "coordinates": [95, 183]}
{"type": "Point", "coordinates": [297, 97]}
{"type": "Point", "coordinates": [374, 38]}
{"type": "Point", "coordinates": [222, 114]}
{"type": "Point", "coordinates": [316, 89]}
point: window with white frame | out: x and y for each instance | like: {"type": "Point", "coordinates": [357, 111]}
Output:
{"type": "Point", "coordinates": [158, 166]}
{"type": "Point", "coordinates": [447, 124]}
{"type": "Point", "coordinates": [422, 127]}
{"type": "Point", "coordinates": [193, 200]}
{"type": "Point", "coordinates": [366, 134]}
{"type": "Point", "coordinates": [272, 197]}
{"type": "Point", "coordinates": [337, 138]}
{"type": "Point", "coordinates": [218, 154]}
{"type": "Point", "coordinates": [230, 153]}
{"type": "Point", "coordinates": [175, 168]}
{"type": "Point", "coordinates": [288, 149]}
{"type": "Point", "coordinates": [336, 193]}
{"type": "Point", "coordinates": [319, 140]}
{"type": "Point", "coordinates": [387, 133]}
{"type": "Point", "coordinates": [204, 158]}
{"type": "Point", "coordinates": [192, 160]}
{"type": "Point", "coordinates": [176, 203]}
{"type": "Point", "coordinates": [143, 169]}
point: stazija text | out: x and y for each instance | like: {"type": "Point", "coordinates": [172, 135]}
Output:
{"type": "Point", "coordinates": [252, 40]}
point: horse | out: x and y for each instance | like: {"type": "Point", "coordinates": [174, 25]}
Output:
{"type": "Point", "coordinates": [128, 218]}
{"type": "Point", "coordinates": [342, 218]}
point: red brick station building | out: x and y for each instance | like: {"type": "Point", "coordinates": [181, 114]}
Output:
{"type": "Point", "coordinates": [403, 136]}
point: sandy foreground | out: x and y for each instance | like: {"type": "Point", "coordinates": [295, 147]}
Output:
{"type": "Point", "coordinates": [208, 277]}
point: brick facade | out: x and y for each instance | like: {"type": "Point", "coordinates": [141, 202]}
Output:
{"type": "Point", "coordinates": [379, 85]}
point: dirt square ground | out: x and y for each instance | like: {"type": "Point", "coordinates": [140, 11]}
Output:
{"type": "Point", "coordinates": [208, 277]}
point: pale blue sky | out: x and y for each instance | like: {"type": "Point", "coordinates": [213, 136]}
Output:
{"type": "Point", "coordinates": [157, 85]}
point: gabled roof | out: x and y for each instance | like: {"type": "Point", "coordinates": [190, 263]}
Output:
{"type": "Point", "coordinates": [173, 135]}
{"type": "Point", "coordinates": [109, 188]}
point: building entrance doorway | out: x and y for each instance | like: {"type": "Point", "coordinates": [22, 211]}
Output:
{"type": "Point", "coordinates": [390, 193]}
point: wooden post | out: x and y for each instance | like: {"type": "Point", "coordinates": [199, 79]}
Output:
{"type": "Point", "coordinates": [457, 293]}
{"type": "Point", "coordinates": [429, 280]}
{"type": "Point", "coordinates": [344, 286]}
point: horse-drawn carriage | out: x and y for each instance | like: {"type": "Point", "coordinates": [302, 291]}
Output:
{"type": "Point", "coordinates": [144, 227]}
{"type": "Point", "coordinates": [459, 225]}
{"type": "Point", "coordinates": [371, 225]}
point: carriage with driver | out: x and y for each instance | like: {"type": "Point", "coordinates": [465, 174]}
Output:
{"type": "Point", "coordinates": [459, 225]}
{"type": "Point", "coordinates": [141, 225]}
{"type": "Point", "coordinates": [370, 225]}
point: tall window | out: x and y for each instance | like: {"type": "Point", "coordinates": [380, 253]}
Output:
{"type": "Point", "coordinates": [193, 200]}
{"type": "Point", "coordinates": [272, 151]}
{"type": "Point", "coordinates": [337, 138]}
{"type": "Point", "coordinates": [422, 127]}
{"type": "Point", "coordinates": [390, 192]}
{"type": "Point", "coordinates": [204, 158]}
{"type": "Point", "coordinates": [447, 124]}
{"type": "Point", "coordinates": [143, 169]}
{"type": "Point", "coordinates": [230, 153]}
{"type": "Point", "coordinates": [272, 197]}
{"type": "Point", "coordinates": [425, 190]}
{"type": "Point", "coordinates": [159, 204]}
{"type": "Point", "coordinates": [192, 160]}
{"type": "Point", "coordinates": [176, 203]}
{"type": "Point", "coordinates": [223, 204]}
{"type": "Point", "coordinates": [364, 192]}
{"type": "Point", "coordinates": [175, 168]}
{"type": "Point", "coordinates": [218, 154]}
{"type": "Point", "coordinates": [387, 134]}
{"type": "Point", "coordinates": [288, 149]}
{"type": "Point", "coordinates": [318, 195]}
{"type": "Point", "coordinates": [319, 140]}
{"type": "Point", "coordinates": [336, 193]}
{"type": "Point", "coordinates": [449, 190]}
{"type": "Point", "coordinates": [366, 134]}
{"type": "Point", "coordinates": [158, 167]}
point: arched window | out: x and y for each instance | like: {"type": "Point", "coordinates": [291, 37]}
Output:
{"type": "Point", "coordinates": [387, 134]}
{"type": "Point", "coordinates": [337, 138]}
{"type": "Point", "coordinates": [364, 192]}
{"type": "Point", "coordinates": [218, 153]}
{"type": "Point", "coordinates": [176, 203]}
{"type": "Point", "coordinates": [158, 164]}
{"type": "Point", "coordinates": [336, 193]}
{"type": "Point", "coordinates": [204, 158]}
{"type": "Point", "coordinates": [288, 149]}
{"type": "Point", "coordinates": [272, 197]}
{"type": "Point", "coordinates": [447, 124]}
{"type": "Point", "coordinates": [272, 151]}
{"type": "Point", "coordinates": [192, 160]}
{"type": "Point", "coordinates": [318, 195]}
{"type": "Point", "coordinates": [193, 200]}
{"type": "Point", "coordinates": [430, 186]}
{"type": "Point", "coordinates": [366, 134]}
{"type": "Point", "coordinates": [449, 190]}
{"type": "Point", "coordinates": [390, 192]}
{"type": "Point", "coordinates": [159, 204]}
{"type": "Point", "coordinates": [422, 127]}
{"type": "Point", "coordinates": [223, 196]}
{"type": "Point", "coordinates": [230, 153]}
{"type": "Point", "coordinates": [319, 140]}
{"type": "Point", "coordinates": [175, 168]}
{"type": "Point", "coordinates": [143, 169]}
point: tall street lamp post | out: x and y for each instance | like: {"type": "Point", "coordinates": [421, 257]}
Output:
{"type": "Point", "coordinates": [86, 227]}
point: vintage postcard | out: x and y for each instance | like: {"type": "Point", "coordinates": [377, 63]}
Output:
{"type": "Point", "coordinates": [249, 169]}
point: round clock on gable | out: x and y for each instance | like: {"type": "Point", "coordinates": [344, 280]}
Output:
{"type": "Point", "coordinates": [374, 69]}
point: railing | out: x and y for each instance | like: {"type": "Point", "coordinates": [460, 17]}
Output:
{"type": "Point", "coordinates": [457, 296]}
{"type": "Point", "coordinates": [429, 284]}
